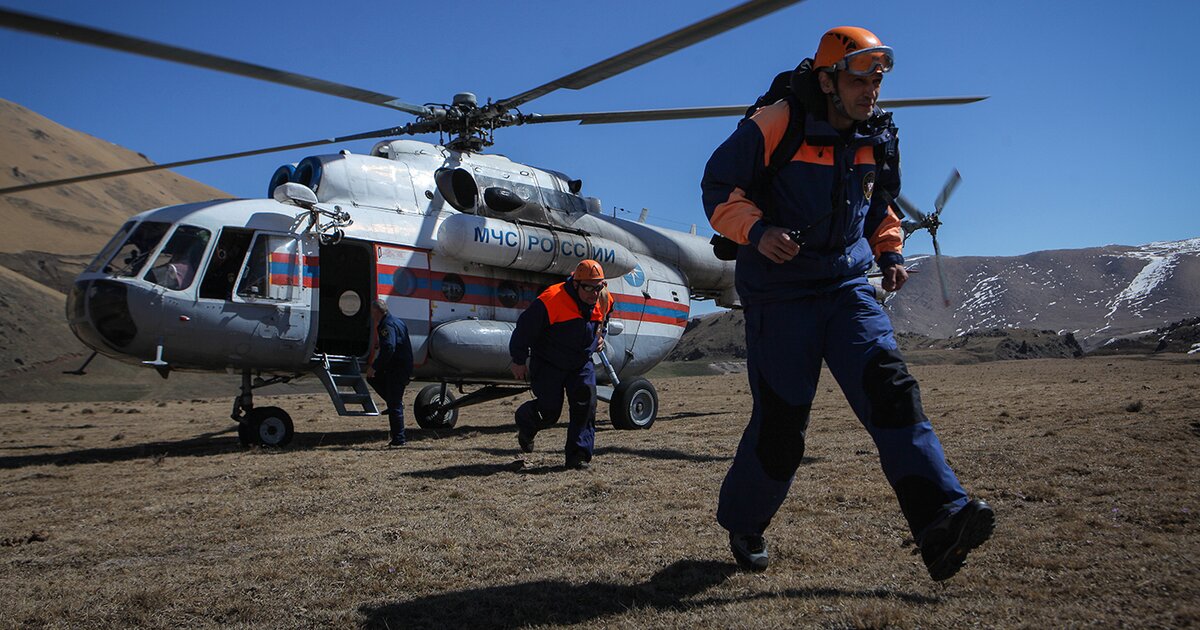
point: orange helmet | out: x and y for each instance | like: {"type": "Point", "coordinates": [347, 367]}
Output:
{"type": "Point", "coordinates": [853, 49]}
{"type": "Point", "coordinates": [588, 270]}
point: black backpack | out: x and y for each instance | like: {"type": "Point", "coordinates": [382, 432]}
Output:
{"type": "Point", "coordinates": [788, 85]}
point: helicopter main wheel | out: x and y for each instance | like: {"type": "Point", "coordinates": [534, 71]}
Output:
{"type": "Point", "coordinates": [634, 404]}
{"type": "Point", "coordinates": [266, 426]}
{"type": "Point", "coordinates": [425, 408]}
{"type": "Point", "coordinates": [246, 433]}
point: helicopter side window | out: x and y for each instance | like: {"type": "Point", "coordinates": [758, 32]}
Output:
{"type": "Point", "coordinates": [176, 265]}
{"type": "Point", "coordinates": [222, 272]}
{"type": "Point", "coordinates": [273, 269]}
{"type": "Point", "coordinates": [254, 275]}
{"type": "Point", "coordinates": [111, 248]}
{"type": "Point", "coordinates": [132, 256]}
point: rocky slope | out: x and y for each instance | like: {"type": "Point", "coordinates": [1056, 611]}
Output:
{"type": "Point", "coordinates": [1098, 294]}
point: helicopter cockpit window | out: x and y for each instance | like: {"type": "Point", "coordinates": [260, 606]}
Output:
{"type": "Point", "coordinates": [223, 266]}
{"type": "Point", "coordinates": [132, 255]}
{"type": "Point", "coordinates": [273, 270]}
{"type": "Point", "coordinates": [109, 249]}
{"type": "Point", "coordinates": [176, 265]}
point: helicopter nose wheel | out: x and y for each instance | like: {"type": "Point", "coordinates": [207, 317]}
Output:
{"type": "Point", "coordinates": [266, 426]}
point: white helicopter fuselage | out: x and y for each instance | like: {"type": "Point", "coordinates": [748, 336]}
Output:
{"type": "Point", "coordinates": [458, 244]}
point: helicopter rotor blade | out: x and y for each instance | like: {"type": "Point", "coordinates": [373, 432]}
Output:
{"type": "Point", "coordinates": [381, 133]}
{"type": "Point", "coordinates": [910, 208]}
{"type": "Point", "coordinates": [937, 259]}
{"type": "Point", "coordinates": [714, 111]}
{"type": "Point", "coordinates": [948, 189]}
{"type": "Point", "coordinates": [106, 39]}
{"type": "Point", "coordinates": [665, 45]}
{"type": "Point", "coordinates": [893, 103]}
{"type": "Point", "coordinates": [640, 115]}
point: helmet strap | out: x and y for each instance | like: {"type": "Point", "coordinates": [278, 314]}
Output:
{"type": "Point", "coordinates": [834, 96]}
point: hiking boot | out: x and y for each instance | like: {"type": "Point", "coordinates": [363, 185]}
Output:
{"type": "Point", "coordinates": [750, 550]}
{"type": "Point", "coordinates": [944, 547]}
{"type": "Point", "coordinates": [397, 441]}
{"type": "Point", "coordinates": [525, 442]}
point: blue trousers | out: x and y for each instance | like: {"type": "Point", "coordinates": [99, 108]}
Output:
{"type": "Point", "coordinates": [390, 388]}
{"type": "Point", "coordinates": [549, 383]}
{"type": "Point", "coordinates": [785, 343]}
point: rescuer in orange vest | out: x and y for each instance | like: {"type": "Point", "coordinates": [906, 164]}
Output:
{"type": "Point", "coordinates": [557, 334]}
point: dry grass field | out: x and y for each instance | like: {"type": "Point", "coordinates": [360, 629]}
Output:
{"type": "Point", "coordinates": [150, 514]}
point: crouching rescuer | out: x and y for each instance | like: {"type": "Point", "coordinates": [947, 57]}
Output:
{"type": "Point", "coordinates": [557, 334]}
{"type": "Point", "coordinates": [804, 187]}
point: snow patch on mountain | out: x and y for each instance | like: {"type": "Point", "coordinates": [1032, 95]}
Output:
{"type": "Point", "coordinates": [1161, 257]}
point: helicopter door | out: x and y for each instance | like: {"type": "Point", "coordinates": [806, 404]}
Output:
{"type": "Point", "coordinates": [276, 285]}
{"type": "Point", "coordinates": [402, 276]}
{"type": "Point", "coordinates": [344, 325]}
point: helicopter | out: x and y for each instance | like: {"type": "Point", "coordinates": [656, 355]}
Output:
{"type": "Point", "coordinates": [457, 241]}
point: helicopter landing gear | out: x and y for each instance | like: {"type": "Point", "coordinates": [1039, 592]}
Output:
{"type": "Point", "coordinates": [429, 408]}
{"type": "Point", "coordinates": [261, 426]}
{"type": "Point", "coordinates": [634, 404]}
{"type": "Point", "coordinates": [266, 426]}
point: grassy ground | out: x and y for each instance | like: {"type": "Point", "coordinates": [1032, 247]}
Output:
{"type": "Point", "coordinates": [150, 514]}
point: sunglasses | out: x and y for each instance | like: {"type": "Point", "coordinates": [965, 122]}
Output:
{"type": "Point", "coordinates": [592, 288]}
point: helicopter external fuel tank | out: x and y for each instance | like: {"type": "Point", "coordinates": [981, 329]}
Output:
{"type": "Point", "coordinates": [530, 247]}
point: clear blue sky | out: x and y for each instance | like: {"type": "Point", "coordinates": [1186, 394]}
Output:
{"type": "Point", "coordinates": [1088, 137]}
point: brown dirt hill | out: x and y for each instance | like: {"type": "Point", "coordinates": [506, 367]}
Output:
{"type": "Point", "coordinates": [75, 219]}
{"type": "Point", "coordinates": [32, 324]}
{"type": "Point", "coordinates": [50, 235]}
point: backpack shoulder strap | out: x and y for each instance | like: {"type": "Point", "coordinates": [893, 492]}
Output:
{"type": "Point", "coordinates": [788, 145]}
{"type": "Point", "coordinates": [887, 164]}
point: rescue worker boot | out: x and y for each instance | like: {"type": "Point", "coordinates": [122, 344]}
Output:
{"type": "Point", "coordinates": [578, 461]}
{"type": "Point", "coordinates": [750, 551]}
{"type": "Point", "coordinates": [396, 427]}
{"type": "Point", "coordinates": [945, 545]}
{"type": "Point", "coordinates": [525, 441]}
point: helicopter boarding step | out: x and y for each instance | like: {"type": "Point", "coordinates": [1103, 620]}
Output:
{"type": "Point", "coordinates": [345, 383]}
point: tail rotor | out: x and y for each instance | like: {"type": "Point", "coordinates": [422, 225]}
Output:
{"type": "Point", "coordinates": [921, 221]}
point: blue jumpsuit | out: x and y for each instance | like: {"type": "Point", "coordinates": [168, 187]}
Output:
{"type": "Point", "coordinates": [558, 334]}
{"type": "Point", "coordinates": [819, 306]}
{"type": "Point", "coordinates": [393, 367]}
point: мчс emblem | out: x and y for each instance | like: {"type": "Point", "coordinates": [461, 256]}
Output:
{"type": "Point", "coordinates": [868, 185]}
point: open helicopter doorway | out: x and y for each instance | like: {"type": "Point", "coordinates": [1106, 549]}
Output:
{"type": "Point", "coordinates": [346, 282]}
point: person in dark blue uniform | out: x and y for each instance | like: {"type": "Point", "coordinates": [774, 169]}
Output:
{"type": "Point", "coordinates": [801, 277]}
{"type": "Point", "coordinates": [557, 334]}
{"type": "Point", "coordinates": [391, 369]}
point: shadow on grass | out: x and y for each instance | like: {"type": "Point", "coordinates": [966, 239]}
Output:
{"type": "Point", "coordinates": [548, 602]}
{"type": "Point", "coordinates": [222, 442]}
{"type": "Point", "coordinates": [662, 453]}
{"type": "Point", "coordinates": [466, 470]}
{"type": "Point", "coordinates": [819, 592]}
{"type": "Point", "coordinates": [557, 602]}
{"type": "Point", "coordinates": [200, 445]}
{"type": "Point", "coordinates": [684, 415]}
